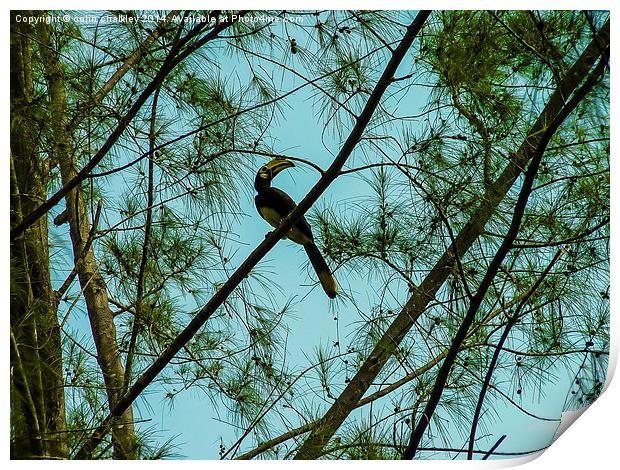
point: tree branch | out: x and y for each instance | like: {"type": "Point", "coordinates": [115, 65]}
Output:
{"type": "Point", "coordinates": [505, 247]}
{"type": "Point", "coordinates": [259, 252]}
{"type": "Point", "coordinates": [514, 318]}
{"type": "Point", "coordinates": [388, 389]}
{"type": "Point", "coordinates": [416, 304]}
{"type": "Point", "coordinates": [175, 56]}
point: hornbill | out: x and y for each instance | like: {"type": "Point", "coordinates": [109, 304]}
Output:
{"type": "Point", "coordinates": [274, 205]}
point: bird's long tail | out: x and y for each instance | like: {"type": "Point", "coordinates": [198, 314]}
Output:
{"type": "Point", "coordinates": [328, 281]}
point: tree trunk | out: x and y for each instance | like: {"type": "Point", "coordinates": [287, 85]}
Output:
{"type": "Point", "coordinates": [37, 395]}
{"type": "Point", "coordinates": [92, 284]}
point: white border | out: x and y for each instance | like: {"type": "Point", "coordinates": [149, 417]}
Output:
{"type": "Point", "coordinates": [590, 444]}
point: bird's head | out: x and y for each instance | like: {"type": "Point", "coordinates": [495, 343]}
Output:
{"type": "Point", "coordinates": [268, 171]}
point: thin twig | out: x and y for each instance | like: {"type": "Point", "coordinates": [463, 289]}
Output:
{"type": "Point", "coordinates": [492, 449]}
{"type": "Point", "coordinates": [145, 245]}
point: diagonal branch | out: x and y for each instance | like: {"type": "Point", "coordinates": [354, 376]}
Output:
{"type": "Point", "coordinates": [127, 64]}
{"type": "Point", "coordinates": [261, 250]}
{"type": "Point", "coordinates": [492, 449]}
{"type": "Point", "coordinates": [176, 56]}
{"type": "Point", "coordinates": [416, 304]}
{"type": "Point", "coordinates": [516, 316]}
{"type": "Point", "coordinates": [505, 247]}
{"type": "Point", "coordinates": [134, 58]}
{"type": "Point", "coordinates": [390, 388]}
{"type": "Point", "coordinates": [369, 399]}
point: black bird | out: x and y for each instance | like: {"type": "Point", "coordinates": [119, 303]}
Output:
{"type": "Point", "coordinates": [274, 205]}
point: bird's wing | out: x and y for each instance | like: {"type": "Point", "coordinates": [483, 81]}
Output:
{"type": "Point", "coordinates": [282, 204]}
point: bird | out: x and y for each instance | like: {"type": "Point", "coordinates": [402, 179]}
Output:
{"type": "Point", "coordinates": [274, 205]}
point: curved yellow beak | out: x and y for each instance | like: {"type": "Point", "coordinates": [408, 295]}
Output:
{"type": "Point", "coordinates": [278, 164]}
